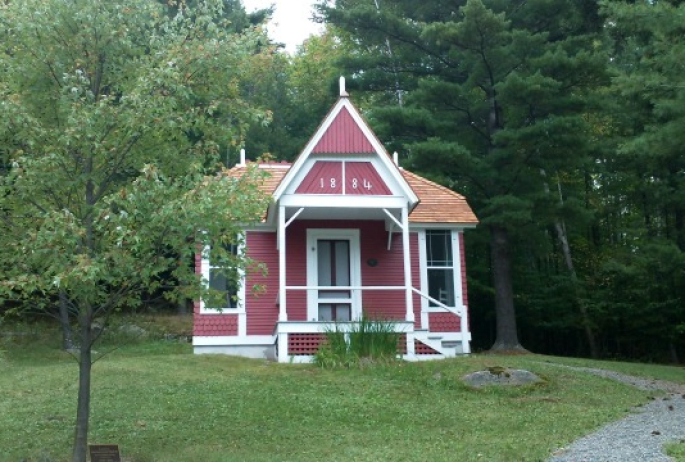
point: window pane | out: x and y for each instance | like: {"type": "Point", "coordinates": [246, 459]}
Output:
{"type": "Point", "coordinates": [441, 286]}
{"type": "Point", "coordinates": [342, 263]}
{"type": "Point", "coordinates": [343, 313]}
{"type": "Point", "coordinates": [439, 247]}
{"type": "Point", "coordinates": [324, 262]}
{"type": "Point", "coordinates": [325, 312]}
{"type": "Point", "coordinates": [223, 278]}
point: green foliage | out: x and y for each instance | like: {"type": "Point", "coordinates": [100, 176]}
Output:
{"type": "Point", "coordinates": [359, 343]}
{"type": "Point", "coordinates": [115, 113]}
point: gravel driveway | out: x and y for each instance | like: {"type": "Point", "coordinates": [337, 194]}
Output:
{"type": "Point", "coordinates": [639, 437]}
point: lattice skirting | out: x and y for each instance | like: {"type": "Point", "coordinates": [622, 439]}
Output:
{"type": "Point", "coordinates": [421, 348]}
{"type": "Point", "coordinates": [304, 344]}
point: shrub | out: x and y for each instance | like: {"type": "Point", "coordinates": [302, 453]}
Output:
{"type": "Point", "coordinates": [366, 341]}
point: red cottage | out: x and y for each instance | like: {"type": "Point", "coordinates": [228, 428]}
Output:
{"type": "Point", "coordinates": [347, 234]}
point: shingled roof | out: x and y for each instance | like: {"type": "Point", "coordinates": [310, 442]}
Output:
{"type": "Point", "coordinates": [437, 204]}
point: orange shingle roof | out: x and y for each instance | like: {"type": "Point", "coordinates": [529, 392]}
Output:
{"type": "Point", "coordinates": [437, 204]}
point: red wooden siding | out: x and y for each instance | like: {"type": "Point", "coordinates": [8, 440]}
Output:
{"type": "Point", "coordinates": [415, 275]}
{"type": "Point", "coordinates": [296, 272]}
{"type": "Point", "coordinates": [324, 178]}
{"type": "Point", "coordinates": [383, 304]}
{"type": "Point", "coordinates": [361, 178]}
{"type": "Point", "coordinates": [261, 308]}
{"type": "Point", "coordinates": [343, 137]}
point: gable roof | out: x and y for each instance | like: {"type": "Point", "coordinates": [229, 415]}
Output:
{"type": "Point", "coordinates": [344, 131]}
{"type": "Point", "coordinates": [437, 204]}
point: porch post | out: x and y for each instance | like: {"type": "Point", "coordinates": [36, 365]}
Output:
{"type": "Point", "coordinates": [282, 313]}
{"type": "Point", "coordinates": [407, 265]}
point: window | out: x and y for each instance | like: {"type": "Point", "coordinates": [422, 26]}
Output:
{"type": "Point", "coordinates": [440, 266]}
{"type": "Point", "coordinates": [223, 277]}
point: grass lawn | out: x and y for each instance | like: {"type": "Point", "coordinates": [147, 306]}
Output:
{"type": "Point", "coordinates": [159, 402]}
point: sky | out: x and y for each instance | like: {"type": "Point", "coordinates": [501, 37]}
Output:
{"type": "Point", "coordinates": [290, 23]}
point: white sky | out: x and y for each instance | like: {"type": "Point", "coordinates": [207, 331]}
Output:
{"type": "Point", "coordinates": [290, 23]}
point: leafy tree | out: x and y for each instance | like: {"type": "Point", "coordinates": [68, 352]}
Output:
{"type": "Point", "coordinates": [112, 111]}
{"type": "Point", "coordinates": [494, 98]}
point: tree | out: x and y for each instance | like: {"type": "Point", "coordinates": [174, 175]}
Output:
{"type": "Point", "coordinates": [644, 189]}
{"type": "Point", "coordinates": [113, 112]}
{"type": "Point", "coordinates": [495, 97]}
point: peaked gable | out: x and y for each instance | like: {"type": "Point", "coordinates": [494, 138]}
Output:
{"type": "Point", "coordinates": [343, 136]}
{"type": "Point", "coordinates": [344, 132]}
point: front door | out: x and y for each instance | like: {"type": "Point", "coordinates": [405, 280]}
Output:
{"type": "Point", "coordinates": [333, 267]}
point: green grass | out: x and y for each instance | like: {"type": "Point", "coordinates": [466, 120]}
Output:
{"type": "Point", "coordinates": [159, 402]}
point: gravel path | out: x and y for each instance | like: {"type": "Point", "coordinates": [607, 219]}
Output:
{"type": "Point", "coordinates": [639, 437]}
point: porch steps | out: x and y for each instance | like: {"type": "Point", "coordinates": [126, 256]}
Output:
{"type": "Point", "coordinates": [435, 341]}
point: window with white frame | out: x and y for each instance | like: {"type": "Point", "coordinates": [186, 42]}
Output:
{"type": "Point", "coordinates": [440, 266]}
{"type": "Point", "coordinates": [222, 276]}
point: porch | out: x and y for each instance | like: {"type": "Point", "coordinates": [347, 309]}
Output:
{"type": "Point", "coordinates": [298, 341]}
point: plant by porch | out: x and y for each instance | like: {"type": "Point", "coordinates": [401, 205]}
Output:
{"type": "Point", "coordinates": [364, 342]}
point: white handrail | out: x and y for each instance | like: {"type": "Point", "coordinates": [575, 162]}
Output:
{"type": "Point", "coordinates": [454, 311]}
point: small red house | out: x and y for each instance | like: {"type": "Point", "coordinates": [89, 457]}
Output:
{"type": "Point", "coordinates": [347, 233]}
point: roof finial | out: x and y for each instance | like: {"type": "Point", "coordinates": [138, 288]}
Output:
{"type": "Point", "coordinates": [342, 87]}
{"type": "Point", "coordinates": [242, 158]}
{"type": "Point", "coordinates": [396, 158]}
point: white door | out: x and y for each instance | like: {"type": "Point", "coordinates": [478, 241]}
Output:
{"type": "Point", "coordinates": [333, 263]}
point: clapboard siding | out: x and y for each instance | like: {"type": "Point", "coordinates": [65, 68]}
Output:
{"type": "Point", "coordinates": [296, 271]}
{"type": "Point", "coordinates": [261, 307]}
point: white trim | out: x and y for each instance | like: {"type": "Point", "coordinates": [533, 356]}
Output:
{"type": "Point", "coordinates": [282, 312]}
{"type": "Point", "coordinates": [351, 235]}
{"type": "Point", "coordinates": [409, 296]}
{"type": "Point", "coordinates": [220, 340]}
{"type": "Point", "coordinates": [456, 262]}
{"type": "Point", "coordinates": [316, 327]}
{"type": "Point", "coordinates": [332, 201]}
{"type": "Point", "coordinates": [446, 226]}
{"type": "Point", "coordinates": [423, 276]}
{"type": "Point", "coordinates": [205, 265]}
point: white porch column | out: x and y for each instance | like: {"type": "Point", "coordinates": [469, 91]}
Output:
{"type": "Point", "coordinates": [407, 265]}
{"type": "Point", "coordinates": [282, 313]}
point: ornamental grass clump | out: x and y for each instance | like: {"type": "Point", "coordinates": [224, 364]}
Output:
{"type": "Point", "coordinates": [364, 342]}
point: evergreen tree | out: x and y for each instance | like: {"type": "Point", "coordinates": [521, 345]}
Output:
{"type": "Point", "coordinates": [495, 94]}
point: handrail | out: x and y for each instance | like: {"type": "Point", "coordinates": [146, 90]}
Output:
{"type": "Point", "coordinates": [454, 311]}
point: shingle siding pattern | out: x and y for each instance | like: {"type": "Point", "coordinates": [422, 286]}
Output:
{"type": "Point", "coordinates": [443, 322]}
{"type": "Point", "coordinates": [343, 136]}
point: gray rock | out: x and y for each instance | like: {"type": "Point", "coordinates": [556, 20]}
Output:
{"type": "Point", "coordinates": [500, 376]}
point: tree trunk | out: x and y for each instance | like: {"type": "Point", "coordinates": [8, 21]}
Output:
{"type": "Point", "coordinates": [67, 335]}
{"type": "Point", "coordinates": [562, 236]}
{"type": "Point", "coordinates": [507, 333]}
{"type": "Point", "coordinates": [83, 406]}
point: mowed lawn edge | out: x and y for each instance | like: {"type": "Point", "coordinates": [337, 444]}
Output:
{"type": "Point", "coordinates": [159, 402]}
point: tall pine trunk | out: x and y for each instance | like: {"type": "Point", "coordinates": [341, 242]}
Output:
{"type": "Point", "coordinates": [507, 332]}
